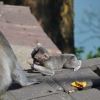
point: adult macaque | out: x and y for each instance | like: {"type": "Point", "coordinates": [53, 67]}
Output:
{"type": "Point", "coordinates": [47, 64]}
{"type": "Point", "coordinates": [10, 69]}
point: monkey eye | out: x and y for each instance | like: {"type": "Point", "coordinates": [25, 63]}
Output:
{"type": "Point", "coordinates": [35, 59]}
{"type": "Point", "coordinates": [39, 58]}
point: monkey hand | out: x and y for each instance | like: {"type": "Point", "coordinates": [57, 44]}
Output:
{"type": "Point", "coordinates": [44, 70]}
{"type": "Point", "coordinates": [32, 67]}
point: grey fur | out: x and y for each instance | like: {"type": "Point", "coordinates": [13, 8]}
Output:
{"type": "Point", "coordinates": [10, 69]}
{"type": "Point", "coordinates": [48, 66]}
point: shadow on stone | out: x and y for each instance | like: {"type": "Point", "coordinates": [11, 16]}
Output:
{"type": "Point", "coordinates": [97, 71]}
{"type": "Point", "coordinates": [30, 71]}
{"type": "Point", "coordinates": [14, 86]}
{"type": "Point", "coordinates": [95, 83]}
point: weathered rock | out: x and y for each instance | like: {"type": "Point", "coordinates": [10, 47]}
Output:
{"type": "Point", "coordinates": [65, 78]}
{"type": "Point", "coordinates": [90, 94]}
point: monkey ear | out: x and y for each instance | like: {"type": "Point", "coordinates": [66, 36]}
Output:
{"type": "Point", "coordinates": [45, 56]}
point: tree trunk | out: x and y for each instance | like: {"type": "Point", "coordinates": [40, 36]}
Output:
{"type": "Point", "coordinates": [67, 26]}
{"type": "Point", "coordinates": [56, 18]}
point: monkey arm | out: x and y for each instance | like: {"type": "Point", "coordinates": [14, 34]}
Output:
{"type": "Point", "coordinates": [44, 70]}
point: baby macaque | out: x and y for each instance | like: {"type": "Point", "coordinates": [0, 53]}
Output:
{"type": "Point", "coordinates": [47, 64]}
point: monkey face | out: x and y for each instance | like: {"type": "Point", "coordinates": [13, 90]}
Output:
{"type": "Point", "coordinates": [40, 58]}
{"type": "Point", "coordinates": [38, 61]}
{"type": "Point", "coordinates": [39, 55]}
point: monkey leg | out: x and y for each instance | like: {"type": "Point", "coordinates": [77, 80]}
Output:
{"type": "Point", "coordinates": [32, 68]}
{"type": "Point", "coordinates": [19, 76]}
{"type": "Point", "coordinates": [73, 63]}
{"type": "Point", "coordinates": [78, 65]}
{"type": "Point", "coordinates": [44, 70]}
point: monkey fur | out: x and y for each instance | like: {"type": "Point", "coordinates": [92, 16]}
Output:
{"type": "Point", "coordinates": [47, 64]}
{"type": "Point", "coordinates": [10, 69]}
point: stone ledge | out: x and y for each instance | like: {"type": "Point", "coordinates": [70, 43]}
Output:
{"type": "Point", "coordinates": [91, 63]}
{"type": "Point", "coordinates": [90, 94]}
{"type": "Point", "coordinates": [1, 3]}
{"type": "Point", "coordinates": [65, 79]}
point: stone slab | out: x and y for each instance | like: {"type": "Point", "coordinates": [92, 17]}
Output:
{"type": "Point", "coordinates": [91, 63]}
{"type": "Point", "coordinates": [65, 79]}
{"type": "Point", "coordinates": [25, 35]}
{"type": "Point", "coordinates": [90, 94]}
{"type": "Point", "coordinates": [1, 3]}
{"type": "Point", "coordinates": [8, 96]}
{"type": "Point", "coordinates": [23, 54]}
{"type": "Point", "coordinates": [47, 79]}
{"type": "Point", "coordinates": [33, 91]}
{"type": "Point", "coordinates": [21, 28]}
{"type": "Point", "coordinates": [17, 15]}
{"type": "Point", "coordinates": [60, 96]}
{"type": "Point", "coordinates": [52, 83]}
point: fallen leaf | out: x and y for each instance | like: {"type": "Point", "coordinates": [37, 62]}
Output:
{"type": "Point", "coordinates": [78, 84]}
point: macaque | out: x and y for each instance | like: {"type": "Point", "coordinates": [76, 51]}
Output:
{"type": "Point", "coordinates": [10, 69]}
{"type": "Point", "coordinates": [47, 64]}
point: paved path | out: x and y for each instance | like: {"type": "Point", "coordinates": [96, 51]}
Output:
{"type": "Point", "coordinates": [21, 28]}
{"type": "Point", "coordinates": [58, 86]}
{"type": "Point", "coordinates": [23, 32]}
